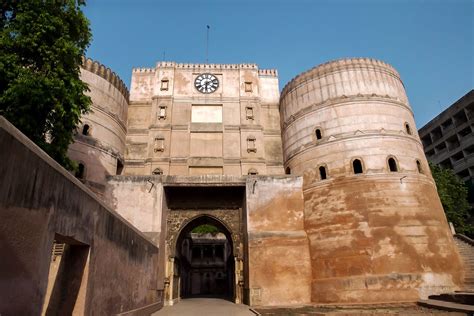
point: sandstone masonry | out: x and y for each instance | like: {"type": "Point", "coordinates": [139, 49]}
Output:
{"type": "Point", "coordinates": [323, 192]}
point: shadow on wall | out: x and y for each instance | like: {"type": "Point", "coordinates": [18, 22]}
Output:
{"type": "Point", "coordinates": [106, 265]}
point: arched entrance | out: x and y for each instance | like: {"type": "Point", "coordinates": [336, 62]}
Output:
{"type": "Point", "coordinates": [204, 259]}
{"type": "Point", "coordinates": [206, 265]}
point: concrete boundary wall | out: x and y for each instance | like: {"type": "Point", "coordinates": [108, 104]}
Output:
{"type": "Point", "coordinates": [110, 266]}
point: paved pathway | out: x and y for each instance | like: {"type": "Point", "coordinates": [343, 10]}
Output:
{"type": "Point", "coordinates": [205, 307]}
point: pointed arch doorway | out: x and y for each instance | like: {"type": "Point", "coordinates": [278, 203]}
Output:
{"type": "Point", "coordinates": [204, 259]}
{"type": "Point", "coordinates": [204, 265]}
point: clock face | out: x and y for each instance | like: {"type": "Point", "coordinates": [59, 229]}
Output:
{"type": "Point", "coordinates": [206, 83]}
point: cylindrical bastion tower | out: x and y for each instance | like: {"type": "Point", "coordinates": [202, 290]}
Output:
{"type": "Point", "coordinates": [376, 227]}
{"type": "Point", "coordinates": [99, 144]}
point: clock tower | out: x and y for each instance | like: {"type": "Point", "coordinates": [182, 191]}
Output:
{"type": "Point", "coordinates": [197, 119]}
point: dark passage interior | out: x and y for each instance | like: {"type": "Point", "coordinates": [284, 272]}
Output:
{"type": "Point", "coordinates": [204, 260]}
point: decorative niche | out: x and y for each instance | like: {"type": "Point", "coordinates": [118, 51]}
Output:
{"type": "Point", "coordinates": [159, 144]}
{"type": "Point", "coordinates": [248, 86]}
{"type": "Point", "coordinates": [162, 112]}
{"type": "Point", "coordinates": [164, 84]}
{"type": "Point", "coordinates": [249, 113]}
{"type": "Point", "coordinates": [251, 144]}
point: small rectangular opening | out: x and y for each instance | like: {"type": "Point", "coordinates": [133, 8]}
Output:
{"type": "Point", "coordinates": [465, 132]}
{"type": "Point", "coordinates": [446, 164]}
{"type": "Point", "coordinates": [440, 147]}
{"type": "Point", "coordinates": [67, 279]}
{"type": "Point", "coordinates": [162, 113]}
{"type": "Point", "coordinates": [469, 150]}
{"type": "Point", "coordinates": [452, 142]}
{"type": "Point", "coordinates": [447, 124]}
{"type": "Point", "coordinates": [463, 173]}
{"type": "Point", "coordinates": [248, 86]}
{"type": "Point", "coordinates": [436, 134]}
{"type": "Point", "coordinates": [470, 110]}
{"type": "Point", "coordinates": [164, 85]}
{"type": "Point", "coordinates": [460, 118]}
{"type": "Point", "coordinates": [159, 145]}
{"type": "Point", "coordinates": [249, 112]}
{"type": "Point", "coordinates": [426, 140]}
{"type": "Point", "coordinates": [457, 156]}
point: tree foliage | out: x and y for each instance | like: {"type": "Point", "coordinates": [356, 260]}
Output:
{"type": "Point", "coordinates": [41, 46]}
{"type": "Point", "coordinates": [206, 229]}
{"type": "Point", "coordinates": [453, 194]}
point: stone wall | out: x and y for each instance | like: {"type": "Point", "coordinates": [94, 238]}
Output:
{"type": "Point", "coordinates": [279, 265]}
{"type": "Point", "coordinates": [102, 149]}
{"type": "Point", "coordinates": [379, 235]}
{"type": "Point", "coordinates": [139, 200]}
{"type": "Point", "coordinates": [165, 136]}
{"type": "Point", "coordinates": [115, 265]}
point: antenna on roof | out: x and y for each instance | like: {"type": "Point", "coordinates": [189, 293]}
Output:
{"type": "Point", "coordinates": [164, 55]}
{"type": "Point", "coordinates": [207, 43]}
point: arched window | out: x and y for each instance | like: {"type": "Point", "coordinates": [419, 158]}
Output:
{"type": "Point", "coordinates": [318, 133]}
{"type": "Point", "coordinates": [288, 170]}
{"type": "Point", "coordinates": [80, 172]}
{"type": "Point", "coordinates": [119, 167]}
{"type": "Point", "coordinates": [418, 166]}
{"type": "Point", "coordinates": [157, 172]}
{"type": "Point", "coordinates": [322, 173]}
{"type": "Point", "coordinates": [357, 166]}
{"type": "Point", "coordinates": [407, 128]}
{"type": "Point", "coordinates": [86, 130]}
{"type": "Point", "coordinates": [252, 172]}
{"type": "Point", "coordinates": [392, 165]}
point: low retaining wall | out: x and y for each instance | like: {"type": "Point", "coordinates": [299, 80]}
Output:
{"type": "Point", "coordinates": [109, 267]}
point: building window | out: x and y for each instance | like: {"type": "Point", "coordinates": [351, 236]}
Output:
{"type": "Point", "coordinates": [248, 86]}
{"type": "Point", "coordinates": [157, 172]}
{"type": "Point", "coordinates": [251, 144]}
{"type": "Point", "coordinates": [249, 113]}
{"type": "Point", "coordinates": [407, 128]}
{"type": "Point", "coordinates": [287, 170]}
{"type": "Point", "coordinates": [162, 112]}
{"type": "Point", "coordinates": [392, 165]}
{"type": "Point", "coordinates": [252, 172]}
{"type": "Point", "coordinates": [418, 166]}
{"type": "Point", "coordinates": [318, 133]}
{"type": "Point", "coordinates": [159, 144]}
{"type": "Point", "coordinates": [81, 171]}
{"type": "Point", "coordinates": [357, 166]}
{"type": "Point", "coordinates": [164, 85]}
{"type": "Point", "coordinates": [119, 167]}
{"type": "Point", "coordinates": [86, 130]}
{"type": "Point", "coordinates": [322, 173]}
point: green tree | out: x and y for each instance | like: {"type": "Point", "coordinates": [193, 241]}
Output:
{"type": "Point", "coordinates": [206, 229]}
{"type": "Point", "coordinates": [41, 46]}
{"type": "Point", "coordinates": [453, 194]}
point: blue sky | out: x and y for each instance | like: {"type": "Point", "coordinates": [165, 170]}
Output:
{"type": "Point", "coordinates": [431, 43]}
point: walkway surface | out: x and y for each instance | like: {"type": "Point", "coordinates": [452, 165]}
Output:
{"type": "Point", "coordinates": [205, 307]}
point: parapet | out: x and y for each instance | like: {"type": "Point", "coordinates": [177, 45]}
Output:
{"type": "Point", "coordinates": [337, 65]}
{"type": "Point", "coordinates": [106, 73]}
{"type": "Point", "coordinates": [172, 64]}
{"type": "Point", "coordinates": [268, 72]}
{"type": "Point", "coordinates": [144, 70]}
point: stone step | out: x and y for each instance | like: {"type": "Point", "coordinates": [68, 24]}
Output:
{"type": "Point", "coordinates": [447, 306]}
